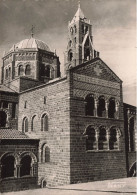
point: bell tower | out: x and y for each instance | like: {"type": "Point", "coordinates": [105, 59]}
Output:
{"type": "Point", "coordinates": [80, 41]}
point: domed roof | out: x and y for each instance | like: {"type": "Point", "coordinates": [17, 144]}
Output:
{"type": "Point", "coordinates": [31, 43]}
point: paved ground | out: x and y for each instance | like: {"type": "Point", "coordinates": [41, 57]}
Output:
{"type": "Point", "coordinates": [126, 186]}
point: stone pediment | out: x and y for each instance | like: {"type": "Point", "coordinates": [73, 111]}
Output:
{"type": "Point", "coordinates": [96, 68]}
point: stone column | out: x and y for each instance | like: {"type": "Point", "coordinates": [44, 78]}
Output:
{"type": "Point", "coordinates": [118, 139]}
{"type": "Point", "coordinates": [106, 107]}
{"type": "Point", "coordinates": [96, 106]}
{"type": "Point", "coordinates": [18, 170]}
{"type": "Point", "coordinates": [108, 139]}
{"type": "Point", "coordinates": [40, 155]}
{"type": "Point", "coordinates": [32, 169]}
{"type": "Point", "coordinates": [97, 136]}
{"type": "Point", "coordinates": [117, 109]}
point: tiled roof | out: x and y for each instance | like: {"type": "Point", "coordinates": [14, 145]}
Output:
{"type": "Point", "coordinates": [12, 134]}
{"type": "Point", "coordinates": [6, 89]}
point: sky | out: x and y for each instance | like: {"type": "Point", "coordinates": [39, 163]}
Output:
{"type": "Point", "coordinates": [113, 23]}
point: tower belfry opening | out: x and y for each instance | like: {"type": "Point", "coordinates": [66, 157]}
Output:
{"type": "Point", "coordinates": [80, 40]}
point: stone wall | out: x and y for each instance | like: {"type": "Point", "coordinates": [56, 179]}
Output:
{"type": "Point", "coordinates": [53, 100]}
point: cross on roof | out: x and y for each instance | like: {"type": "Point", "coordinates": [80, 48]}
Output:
{"type": "Point", "coordinates": [32, 31]}
{"type": "Point", "coordinates": [97, 70]}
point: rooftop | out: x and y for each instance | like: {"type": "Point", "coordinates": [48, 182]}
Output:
{"type": "Point", "coordinates": [31, 43]}
{"type": "Point", "coordinates": [6, 133]}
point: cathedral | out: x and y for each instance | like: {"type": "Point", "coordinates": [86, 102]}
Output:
{"type": "Point", "coordinates": [57, 130]}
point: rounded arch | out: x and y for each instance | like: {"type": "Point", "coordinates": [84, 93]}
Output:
{"type": "Point", "coordinates": [20, 70]}
{"type": "Point", "coordinates": [90, 137]}
{"type": "Point", "coordinates": [132, 170]}
{"type": "Point", "coordinates": [43, 182]}
{"type": "Point", "coordinates": [15, 155]}
{"type": "Point", "coordinates": [25, 124]}
{"type": "Point", "coordinates": [31, 154]}
{"type": "Point", "coordinates": [92, 126]}
{"type": "Point", "coordinates": [45, 153]}
{"type": "Point", "coordinates": [70, 55]}
{"type": "Point", "coordinates": [28, 69]}
{"type": "Point", "coordinates": [44, 122]}
{"type": "Point", "coordinates": [34, 122]}
{"type": "Point", "coordinates": [102, 139]}
{"type": "Point", "coordinates": [119, 133]}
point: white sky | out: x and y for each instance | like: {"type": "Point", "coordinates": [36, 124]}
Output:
{"type": "Point", "coordinates": [113, 22]}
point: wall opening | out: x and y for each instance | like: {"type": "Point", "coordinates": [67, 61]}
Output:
{"type": "Point", "coordinates": [89, 107]}
{"type": "Point", "coordinates": [91, 138]}
{"type": "Point", "coordinates": [25, 168]}
{"type": "Point", "coordinates": [101, 107]}
{"type": "Point", "coordinates": [111, 108]}
{"type": "Point", "coordinates": [7, 166]}
{"type": "Point", "coordinates": [3, 119]}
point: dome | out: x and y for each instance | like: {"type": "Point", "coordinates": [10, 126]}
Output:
{"type": "Point", "coordinates": [30, 44]}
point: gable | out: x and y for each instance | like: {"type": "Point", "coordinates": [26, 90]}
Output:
{"type": "Point", "coordinates": [96, 68]}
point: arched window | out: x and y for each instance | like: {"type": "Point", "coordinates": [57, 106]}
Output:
{"type": "Point", "coordinates": [91, 138]}
{"type": "Point", "coordinates": [5, 104]}
{"type": "Point", "coordinates": [86, 29]}
{"type": "Point", "coordinates": [75, 40]}
{"type": "Point", "coordinates": [47, 154]}
{"type": "Point", "coordinates": [52, 72]}
{"type": "Point", "coordinates": [34, 123]}
{"type": "Point", "coordinates": [87, 54]}
{"type": "Point", "coordinates": [70, 43]}
{"type": "Point", "coordinates": [7, 166]}
{"type": "Point", "coordinates": [28, 70]}
{"type": "Point", "coordinates": [111, 108]}
{"type": "Point", "coordinates": [6, 74]}
{"type": "Point", "coordinates": [82, 27]}
{"type": "Point", "coordinates": [45, 99]}
{"type": "Point", "coordinates": [71, 30]}
{"type": "Point", "coordinates": [20, 70]}
{"type": "Point", "coordinates": [9, 72]}
{"type": "Point", "coordinates": [132, 134]}
{"type": "Point", "coordinates": [25, 168]}
{"type": "Point", "coordinates": [75, 28]}
{"type": "Point", "coordinates": [102, 140]}
{"type": "Point", "coordinates": [70, 55]}
{"type": "Point", "coordinates": [113, 144]}
{"type": "Point", "coordinates": [47, 71]}
{"type": "Point", "coordinates": [101, 107]}
{"type": "Point", "coordinates": [3, 119]}
{"type": "Point", "coordinates": [89, 107]}
{"type": "Point", "coordinates": [25, 125]}
{"type": "Point", "coordinates": [44, 123]}
{"type": "Point", "coordinates": [87, 42]}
